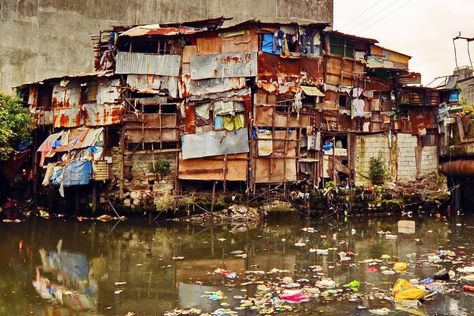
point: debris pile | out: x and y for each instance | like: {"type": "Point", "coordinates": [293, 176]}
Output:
{"type": "Point", "coordinates": [236, 215]}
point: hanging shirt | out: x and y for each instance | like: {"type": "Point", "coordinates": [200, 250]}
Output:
{"type": "Point", "coordinates": [358, 105]}
{"type": "Point", "coordinates": [357, 92]}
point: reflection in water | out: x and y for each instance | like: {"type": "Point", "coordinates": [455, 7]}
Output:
{"type": "Point", "coordinates": [72, 280]}
{"type": "Point", "coordinates": [53, 267]}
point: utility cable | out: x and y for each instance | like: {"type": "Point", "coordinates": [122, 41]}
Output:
{"type": "Point", "coordinates": [455, 53]}
{"type": "Point", "coordinates": [371, 6]}
{"type": "Point", "coordinates": [376, 14]}
{"type": "Point", "coordinates": [469, 52]}
{"type": "Point", "coordinates": [386, 15]}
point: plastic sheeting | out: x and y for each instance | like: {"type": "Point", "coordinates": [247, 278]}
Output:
{"type": "Point", "coordinates": [215, 143]}
{"type": "Point", "coordinates": [78, 172]}
{"type": "Point", "coordinates": [267, 44]}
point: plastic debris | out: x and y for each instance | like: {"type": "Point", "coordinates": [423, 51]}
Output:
{"type": "Point", "coordinates": [380, 311]}
{"type": "Point", "coordinates": [354, 285]}
{"type": "Point", "coordinates": [434, 259]}
{"type": "Point", "coordinates": [295, 296]}
{"type": "Point", "coordinates": [404, 290]}
{"type": "Point", "coordinates": [400, 267]}
{"type": "Point", "coordinates": [442, 274]}
{"type": "Point", "coordinates": [326, 283]}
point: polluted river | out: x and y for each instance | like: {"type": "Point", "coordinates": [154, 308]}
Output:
{"type": "Point", "coordinates": [288, 265]}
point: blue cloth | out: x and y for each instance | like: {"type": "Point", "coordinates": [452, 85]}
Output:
{"type": "Point", "coordinates": [57, 143]}
{"type": "Point", "coordinates": [93, 149]}
{"type": "Point", "coordinates": [218, 122]}
{"type": "Point", "coordinates": [268, 44]}
{"type": "Point", "coordinates": [327, 146]}
{"type": "Point", "coordinates": [78, 172]}
{"type": "Point", "coordinates": [55, 177]}
{"type": "Point", "coordinates": [74, 265]}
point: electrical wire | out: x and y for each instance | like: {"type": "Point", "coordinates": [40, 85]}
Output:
{"type": "Point", "coordinates": [371, 6]}
{"type": "Point", "coordinates": [455, 53]}
{"type": "Point", "coordinates": [469, 52]}
{"type": "Point", "coordinates": [375, 15]}
{"type": "Point", "coordinates": [386, 15]}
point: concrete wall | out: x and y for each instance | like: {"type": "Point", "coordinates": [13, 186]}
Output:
{"type": "Point", "coordinates": [429, 160]}
{"type": "Point", "coordinates": [406, 156]}
{"type": "Point", "coordinates": [368, 146]}
{"type": "Point", "coordinates": [46, 38]}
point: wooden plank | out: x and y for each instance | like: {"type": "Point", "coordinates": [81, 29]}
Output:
{"type": "Point", "coordinates": [214, 168]}
{"type": "Point", "coordinates": [240, 41]}
{"type": "Point", "coordinates": [152, 136]}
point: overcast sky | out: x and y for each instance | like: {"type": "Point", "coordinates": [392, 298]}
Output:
{"type": "Point", "coordinates": [422, 29]}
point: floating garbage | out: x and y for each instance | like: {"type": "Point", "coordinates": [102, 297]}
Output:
{"type": "Point", "coordinates": [294, 296]}
{"type": "Point", "coordinates": [442, 274]}
{"type": "Point", "coordinates": [380, 311]}
{"type": "Point", "coordinates": [400, 267]}
{"type": "Point", "coordinates": [354, 285]}
{"type": "Point", "coordinates": [404, 290]}
{"type": "Point", "coordinates": [434, 259]}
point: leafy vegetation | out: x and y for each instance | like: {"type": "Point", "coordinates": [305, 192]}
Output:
{"type": "Point", "coordinates": [162, 167]}
{"type": "Point", "coordinates": [377, 169]}
{"type": "Point", "coordinates": [15, 124]}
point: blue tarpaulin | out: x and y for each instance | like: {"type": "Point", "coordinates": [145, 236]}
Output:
{"type": "Point", "coordinates": [267, 44]}
{"type": "Point", "coordinates": [78, 172]}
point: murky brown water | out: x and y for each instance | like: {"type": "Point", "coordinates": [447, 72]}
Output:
{"type": "Point", "coordinates": [66, 267]}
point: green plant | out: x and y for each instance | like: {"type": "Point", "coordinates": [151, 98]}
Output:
{"type": "Point", "coordinates": [377, 168]}
{"type": "Point", "coordinates": [15, 124]}
{"type": "Point", "coordinates": [162, 167]}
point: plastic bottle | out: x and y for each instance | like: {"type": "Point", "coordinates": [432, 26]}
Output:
{"type": "Point", "coordinates": [468, 288]}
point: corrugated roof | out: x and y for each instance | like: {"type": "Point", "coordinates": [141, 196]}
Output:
{"type": "Point", "coordinates": [157, 30]}
{"type": "Point", "coordinates": [353, 37]}
{"type": "Point", "coordinates": [148, 64]}
{"type": "Point", "coordinates": [106, 73]}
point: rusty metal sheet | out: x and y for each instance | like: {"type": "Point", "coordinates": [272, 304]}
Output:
{"type": "Point", "coordinates": [41, 117]}
{"type": "Point", "coordinates": [151, 64]}
{"type": "Point", "coordinates": [108, 91]}
{"type": "Point", "coordinates": [67, 117]}
{"type": "Point", "coordinates": [66, 94]}
{"type": "Point", "coordinates": [33, 96]}
{"type": "Point", "coordinates": [188, 87]}
{"type": "Point", "coordinates": [156, 29]}
{"type": "Point", "coordinates": [103, 114]}
{"type": "Point", "coordinates": [314, 70]}
{"type": "Point", "coordinates": [274, 87]}
{"type": "Point", "coordinates": [272, 67]}
{"type": "Point", "coordinates": [190, 119]}
{"type": "Point", "coordinates": [215, 143]}
{"type": "Point", "coordinates": [422, 118]}
{"type": "Point", "coordinates": [410, 78]}
{"type": "Point", "coordinates": [224, 66]}
{"type": "Point", "coordinates": [154, 84]}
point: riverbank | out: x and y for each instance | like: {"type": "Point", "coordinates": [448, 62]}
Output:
{"type": "Point", "coordinates": [428, 194]}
